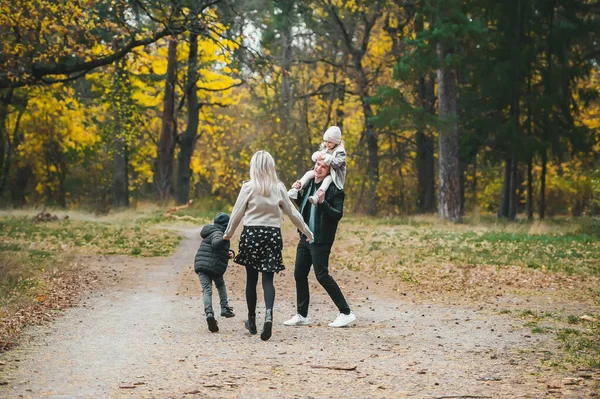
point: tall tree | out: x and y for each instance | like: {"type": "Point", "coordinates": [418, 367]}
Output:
{"type": "Point", "coordinates": [188, 137]}
{"type": "Point", "coordinates": [122, 114]}
{"type": "Point", "coordinates": [424, 141]}
{"type": "Point", "coordinates": [163, 172]}
{"type": "Point", "coordinates": [355, 31]}
{"type": "Point", "coordinates": [449, 198]}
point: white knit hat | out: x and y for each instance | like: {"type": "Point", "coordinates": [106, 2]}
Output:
{"type": "Point", "coordinates": [333, 134]}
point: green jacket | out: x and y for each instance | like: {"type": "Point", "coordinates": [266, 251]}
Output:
{"type": "Point", "coordinates": [328, 215]}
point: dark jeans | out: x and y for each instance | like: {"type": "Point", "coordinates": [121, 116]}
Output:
{"type": "Point", "coordinates": [206, 283]}
{"type": "Point", "coordinates": [316, 255]}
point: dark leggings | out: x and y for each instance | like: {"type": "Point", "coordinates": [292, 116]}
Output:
{"type": "Point", "coordinates": [268, 289]}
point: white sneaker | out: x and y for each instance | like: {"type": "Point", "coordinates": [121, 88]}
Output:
{"type": "Point", "coordinates": [343, 320]}
{"type": "Point", "coordinates": [298, 320]}
{"type": "Point", "coordinates": [314, 199]}
{"type": "Point", "coordinates": [293, 193]}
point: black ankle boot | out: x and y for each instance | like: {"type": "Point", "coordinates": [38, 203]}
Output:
{"type": "Point", "coordinates": [213, 326]}
{"type": "Point", "coordinates": [227, 311]}
{"type": "Point", "coordinates": [268, 326]}
{"type": "Point", "coordinates": [250, 324]}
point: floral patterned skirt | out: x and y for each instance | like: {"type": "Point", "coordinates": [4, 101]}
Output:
{"type": "Point", "coordinates": [260, 248]}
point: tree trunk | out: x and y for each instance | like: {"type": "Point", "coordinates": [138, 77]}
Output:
{"type": "Point", "coordinates": [515, 112]}
{"type": "Point", "coordinates": [505, 194]}
{"type": "Point", "coordinates": [474, 184]}
{"type": "Point", "coordinates": [120, 178]}
{"type": "Point", "coordinates": [449, 182]}
{"type": "Point", "coordinates": [425, 173]}
{"type": "Point", "coordinates": [512, 195]}
{"type": "Point", "coordinates": [122, 115]}
{"type": "Point", "coordinates": [462, 179]}
{"type": "Point", "coordinates": [56, 168]}
{"type": "Point", "coordinates": [547, 133]}
{"type": "Point", "coordinates": [163, 175]}
{"type": "Point", "coordinates": [372, 148]}
{"type": "Point", "coordinates": [5, 142]}
{"type": "Point", "coordinates": [188, 138]}
{"type": "Point", "coordinates": [62, 177]}
{"type": "Point", "coordinates": [529, 157]}
{"type": "Point", "coordinates": [339, 110]}
{"type": "Point", "coordinates": [529, 190]}
{"type": "Point", "coordinates": [542, 210]}
{"type": "Point", "coordinates": [19, 184]}
{"type": "Point", "coordinates": [285, 106]}
{"type": "Point", "coordinates": [425, 159]}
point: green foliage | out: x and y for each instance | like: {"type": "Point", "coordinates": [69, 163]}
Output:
{"type": "Point", "coordinates": [525, 89]}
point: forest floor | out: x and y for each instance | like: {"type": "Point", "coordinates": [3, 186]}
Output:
{"type": "Point", "coordinates": [141, 333]}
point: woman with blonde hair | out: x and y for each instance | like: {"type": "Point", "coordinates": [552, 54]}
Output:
{"type": "Point", "coordinates": [261, 203]}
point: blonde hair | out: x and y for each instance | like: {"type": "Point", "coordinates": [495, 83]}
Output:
{"type": "Point", "coordinates": [323, 145]}
{"type": "Point", "coordinates": [263, 177]}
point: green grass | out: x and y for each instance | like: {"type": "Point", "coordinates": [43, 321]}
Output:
{"type": "Point", "coordinates": [580, 342]}
{"type": "Point", "coordinates": [569, 252]}
{"type": "Point", "coordinates": [582, 345]}
{"type": "Point", "coordinates": [43, 240]}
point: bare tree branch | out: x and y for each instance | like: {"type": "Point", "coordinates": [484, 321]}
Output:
{"type": "Point", "coordinates": [242, 81]}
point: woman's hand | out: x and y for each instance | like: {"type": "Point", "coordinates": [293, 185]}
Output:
{"type": "Point", "coordinates": [226, 237]}
{"type": "Point", "coordinates": [297, 185]}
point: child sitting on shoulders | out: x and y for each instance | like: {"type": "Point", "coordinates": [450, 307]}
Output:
{"type": "Point", "coordinates": [334, 154]}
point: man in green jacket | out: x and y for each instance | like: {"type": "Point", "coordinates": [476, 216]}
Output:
{"type": "Point", "coordinates": [322, 219]}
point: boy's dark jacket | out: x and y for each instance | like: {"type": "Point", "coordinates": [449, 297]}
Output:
{"type": "Point", "coordinates": [213, 254]}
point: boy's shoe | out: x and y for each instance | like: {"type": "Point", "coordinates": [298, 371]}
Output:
{"type": "Point", "coordinates": [293, 193]}
{"type": "Point", "coordinates": [298, 320]}
{"type": "Point", "coordinates": [314, 199]}
{"type": "Point", "coordinates": [227, 312]}
{"type": "Point", "coordinates": [343, 320]}
{"type": "Point", "coordinates": [213, 326]}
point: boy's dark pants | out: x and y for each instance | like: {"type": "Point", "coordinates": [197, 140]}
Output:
{"type": "Point", "coordinates": [316, 255]}
{"type": "Point", "coordinates": [206, 283]}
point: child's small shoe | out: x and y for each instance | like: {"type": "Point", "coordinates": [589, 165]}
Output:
{"type": "Point", "coordinates": [213, 326]}
{"type": "Point", "coordinates": [227, 312]}
{"type": "Point", "coordinates": [293, 193]}
{"type": "Point", "coordinates": [314, 199]}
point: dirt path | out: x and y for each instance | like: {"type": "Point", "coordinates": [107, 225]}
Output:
{"type": "Point", "coordinates": [144, 336]}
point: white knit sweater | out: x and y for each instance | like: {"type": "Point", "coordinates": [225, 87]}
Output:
{"type": "Point", "coordinates": [260, 210]}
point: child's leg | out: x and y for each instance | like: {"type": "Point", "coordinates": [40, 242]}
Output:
{"type": "Point", "coordinates": [222, 290]}
{"type": "Point", "coordinates": [307, 177]}
{"type": "Point", "coordinates": [314, 199]}
{"type": "Point", "coordinates": [293, 192]}
{"type": "Point", "coordinates": [326, 183]}
{"type": "Point", "coordinates": [206, 283]}
{"type": "Point", "coordinates": [226, 310]}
